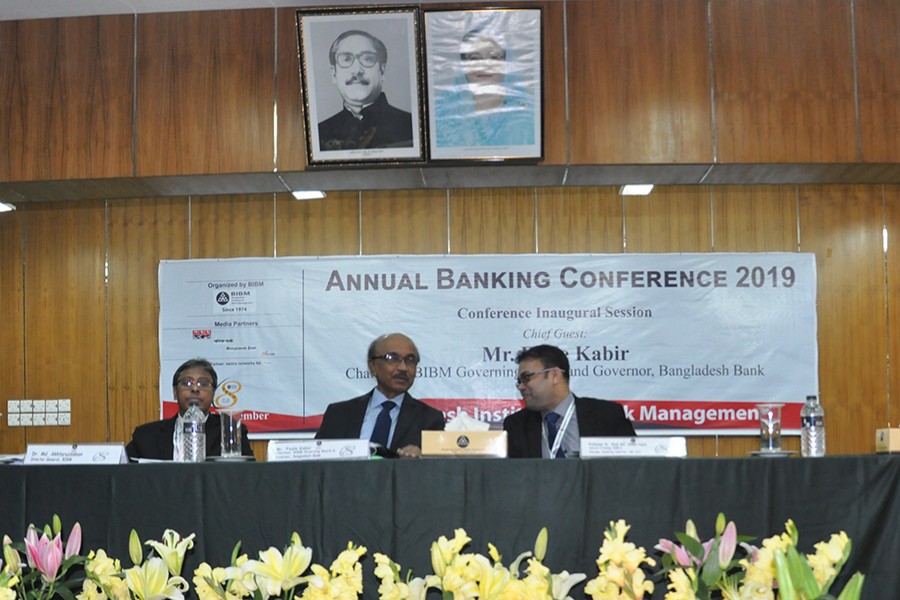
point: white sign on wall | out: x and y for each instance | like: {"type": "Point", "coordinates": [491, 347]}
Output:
{"type": "Point", "coordinates": [688, 343]}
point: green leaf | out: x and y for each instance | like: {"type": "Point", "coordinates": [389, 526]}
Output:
{"type": "Point", "coordinates": [801, 574]}
{"type": "Point", "coordinates": [693, 547]}
{"type": "Point", "coordinates": [783, 574]}
{"type": "Point", "coordinates": [853, 589]}
{"type": "Point", "coordinates": [236, 552]}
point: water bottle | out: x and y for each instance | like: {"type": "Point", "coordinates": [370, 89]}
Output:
{"type": "Point", "coordinates": [194, 434]}
{"type": "Point", "coordinates": [812, 428]}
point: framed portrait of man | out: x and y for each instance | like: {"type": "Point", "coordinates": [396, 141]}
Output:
{"type": "Point", "coordinates": [484, 84]}
{"type": "Point", "coordinates": [360, 75]}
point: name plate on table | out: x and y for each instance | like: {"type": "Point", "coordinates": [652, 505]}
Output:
{"type": "Point", "coordinates": [75, 454]}
{"type": "Point", "coordinates": [600, 447]}
{"type": "Point", "coordinates": [483, 444]}
{"type": "Point", "coordinates": [282, 450]}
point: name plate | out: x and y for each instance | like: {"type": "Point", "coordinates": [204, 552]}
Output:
{"type": "Point", "coordinates": [75, 454]}
{"type": "Point", "coordinates": [599, 447]}
{"type": "Point", "coordinates": [282, 450]}
{"type": "Point", "coordinates": [481, 444]}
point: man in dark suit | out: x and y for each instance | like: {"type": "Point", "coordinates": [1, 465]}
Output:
{"type": "Point", "coordinates": [554, 420]}
{"type": "Point", "coordinates": [358, 61]}
{"type": "Point", "coordinates": [388, 416]}
{"type": "Point", "coordinates": [195, 381]}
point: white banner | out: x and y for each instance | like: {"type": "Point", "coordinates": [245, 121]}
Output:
{"type": "Point", "coordinates": [688, 343]}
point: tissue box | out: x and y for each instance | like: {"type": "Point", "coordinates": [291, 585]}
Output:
{"type": "Point", "coordinates": [464, 443]}
{"type": "Point", "coordinates": [887, 440]}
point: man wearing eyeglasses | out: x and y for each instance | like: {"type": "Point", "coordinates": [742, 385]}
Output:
{"type": "Point", "coordinates": [387, 416]}
{"type": "Point", "coordinates": [554, 420]}
{"type": "Point", "coordinates": [358, 60]}
{"type": "Point", "coordinates": [194, 382]}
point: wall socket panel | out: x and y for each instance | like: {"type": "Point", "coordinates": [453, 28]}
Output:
{"type": "Point", "coordinates": [39, 413]}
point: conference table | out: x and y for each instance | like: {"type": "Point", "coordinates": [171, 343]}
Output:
{"type": "Point", "coordinates": [399, 507]}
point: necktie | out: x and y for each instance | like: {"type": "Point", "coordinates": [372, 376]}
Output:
{"type": "Point", "coordinates": [383, 424]}
{"type": "Point", "coordinates": [552, 429]}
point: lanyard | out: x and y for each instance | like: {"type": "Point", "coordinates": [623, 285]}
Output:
{"type": "Point", "coordinates": [559, 433]}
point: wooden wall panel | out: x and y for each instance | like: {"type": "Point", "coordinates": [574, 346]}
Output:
{"type": "Point", "coordinates": [492, 221]}
{"type": "Point", "coordinates": [141, 233]}
{"type": "Point", "coordinates": [755, 218]}
{"type": "Point", "coordinates": [843, 226]}
{"type": "Point", "coordinates": [232, 226]}
{"type": "Point", "coordinates": [404, 222]}
{"type": "Point", "coordinates": [889, 415]}
{"type": "Point", "coordinates": [580, 220]}
{"type": "Point", "coordinates": [65, 315]}
{"type": "Point", "coordinates": [66, 107]}
{"type": "Point", "coordinates": [12, 338]}
{"type": "Point", "coordinates": [291, 128]}
{"type": "Point", "coordinates": [639, 82]}
{"type": "Point", "coordinates": [671, 219]}
{"type": "Point", "coordinates": [783, 93]}
{"type": "Point", "coordinates": [877, 51]}
{"type": "Point", "coordinates": [318, 227]}
{"type": "Point", "coordinates": [206, 92]}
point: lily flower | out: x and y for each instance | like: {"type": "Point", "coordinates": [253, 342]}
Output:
{"type": "Point", "coordinates": [44, 554]}
{"type": "Point", "coordinates": [276, 572]}
{"type": "Point", "coordinates": [151, 581]}
{"type": "Point", "coordinates": [172, 549]}
{"type": "Point", "coordinates": [73, 544]}
{"type": "Point", "coordinates": [728, 544]}
{"type": "Point", "coordinates": [11, 556]}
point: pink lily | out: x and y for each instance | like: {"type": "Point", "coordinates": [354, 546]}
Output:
{"type": "Point", "coordinates": [43, 554]}
{"type": "Point", "coordinates": [73, 544]}
{"type": "Point", "coordinates": [728, 544]}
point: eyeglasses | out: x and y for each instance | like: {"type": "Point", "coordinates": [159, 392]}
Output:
{"type": "Point", "coordinates": [203, 384]}
{"type": "Point", "coordinates": [366, 59]}
{"type": "Point", "coordinates": [524, 378]}
{"type": "Point", "coordinates": [394, 358]}
{"type": "Point", "coordinates": [473, 56]}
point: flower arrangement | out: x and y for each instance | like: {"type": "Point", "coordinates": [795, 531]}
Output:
{"type": "Point", "coordinates": [51, 566]}
{"type": "Point", "coordinates": [281, 575]}
{"type": "Point", "coordinates": [724, 567]}
{"type": "Point", "coordinates": [708, 570]}
{"type": "Point", "coordinates": [458, 575]}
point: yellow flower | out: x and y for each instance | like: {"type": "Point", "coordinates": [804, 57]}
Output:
{"type": "Point", "coordinates": [8, 594]}
{"type": "Point", "coordinates": [443, 550]}
{"type": "Point", "coordinates": [89, 591]}
{"type": "Point", "coordinates": [274, 572]}
{"type": "Point", "coordinates": [681, 585]}
{"type": "Point", "coordinates": [150, 581]}
{"type": "Point", "coordinates": [208, 582]}
{"type": "Point", "coordinates": [100, 566]}
{"type": "Point", "coordinates": [347, 561]}
{"type": "Point", "coordinates": [491, 578]}
{"type": "Point", "coordinates": [757, 591]}
{"type": "Point", "coordinates": [172, 549]}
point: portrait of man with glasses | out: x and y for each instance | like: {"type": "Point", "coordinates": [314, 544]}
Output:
{"type": "Point", "coordinates": [387, 415]}
{"type": "Point", "coordinates": [554, 419]}
{"type": "Point", "coordinates": [359, 63]}
{"type": "Point", "coordinates": [194, 382]}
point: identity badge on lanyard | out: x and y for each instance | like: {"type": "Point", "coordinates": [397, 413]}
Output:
{"type": "Point", "coordinates": [560, 432]}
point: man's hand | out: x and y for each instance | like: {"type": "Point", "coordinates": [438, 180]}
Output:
{"type": "Point", "coordinates": [410, 452]}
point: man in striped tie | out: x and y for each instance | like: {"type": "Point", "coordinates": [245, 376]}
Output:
{"type": "Point", "coordinates": [387, 415]}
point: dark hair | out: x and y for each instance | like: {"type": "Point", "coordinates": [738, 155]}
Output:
{"type": "Point", "coordinates": [200, 363]}
{"type": "Point", "coordinates": [550, 356]}
{"type": "Point", "coordinates": [380, 49]}
{"type": "Point", "coordinates": [480, 33]}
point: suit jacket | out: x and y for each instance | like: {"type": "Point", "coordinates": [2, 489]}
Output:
{"type": "Point", "coordinates": [344, 420]}
{"type": "Point", "coordinates": [381, 126]}
{"type": "Point", "coordinates": [595, 418]}
{"type": "Point", "coordinates": [154, 439]}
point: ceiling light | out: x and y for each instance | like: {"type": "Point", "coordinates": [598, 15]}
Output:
{"type": "Point", "coordinates": [636, 189]}
{"type": "Point", "coordinates": [308, 194]}
{"type": "Point", "coordinates": [4, 207]}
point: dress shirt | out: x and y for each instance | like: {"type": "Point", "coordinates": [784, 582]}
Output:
{"type": "Point", "coordinates": [374, 408]}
